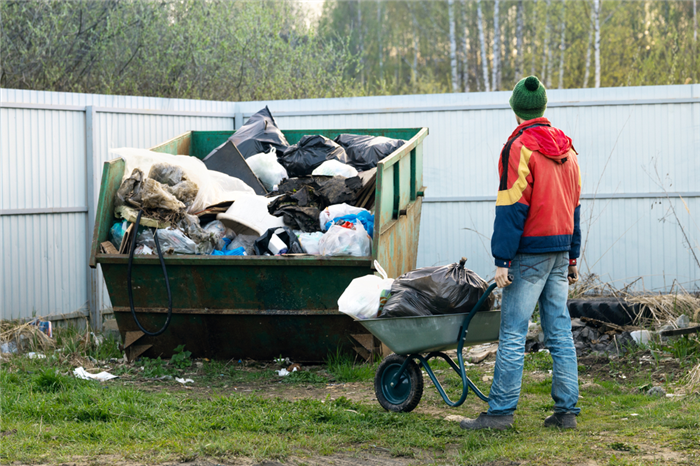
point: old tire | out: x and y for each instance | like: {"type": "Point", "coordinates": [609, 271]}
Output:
{"type": "Point", "coordinates": [612, 310]}
{"type": "Point", "coordinates": [406, 395]}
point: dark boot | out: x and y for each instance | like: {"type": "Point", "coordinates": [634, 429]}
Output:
{"type": "Point", "coordinates": [487, 421]}
{"type": "Point", "coordinates": [561, 420]}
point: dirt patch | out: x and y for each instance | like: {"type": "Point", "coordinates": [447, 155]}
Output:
{"type": "Point", "coordinates": [606, 368]}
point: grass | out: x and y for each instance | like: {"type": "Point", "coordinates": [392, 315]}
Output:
{"type": "Point", "coordinates": [59, 418]}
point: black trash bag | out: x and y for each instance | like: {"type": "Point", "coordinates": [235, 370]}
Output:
{"type": "Point", "coordinates": [285, 234]}
{"type": "Point", "coordinates": [298, 210]}
{"type": "Point", "coordinates": [322, 191]}
{"type": "Point", "coordinates": [449, 289]}
{"type": "Point", "coordinates": [364, 152]}
{"type": "Point", "coordinates": [258, 134]}
{"type": "Point", "coordinates": [311, 151]}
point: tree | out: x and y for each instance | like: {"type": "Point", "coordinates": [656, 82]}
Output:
{"type": "Point", "coordinates": [482, 41]}
{"type": "Point", "coordinates": [562, 45]}
{"type": "Point", "coordinates": [588, 49]}
{"type": "Point", "coordinates": [495, 67]}
{"type": "Point", "coordinates": [465, 48]}
{"type": "Point", "coordinates": [596, 31]}
{"type": "Point", "coordinates": [453, 46]}
{"type": "Point", "coordinates": [519, 40]}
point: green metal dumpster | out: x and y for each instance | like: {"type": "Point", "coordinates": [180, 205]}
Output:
{"type": "Point", "coordinates": [259, 307]}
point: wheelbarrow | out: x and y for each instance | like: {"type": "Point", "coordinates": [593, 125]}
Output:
{"type": "Point", "coordinates": [398, 382]}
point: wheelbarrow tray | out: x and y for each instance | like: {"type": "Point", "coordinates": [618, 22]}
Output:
{"type": "Point", "coordinates": [410, 335]}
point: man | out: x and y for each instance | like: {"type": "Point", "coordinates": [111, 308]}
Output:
{"type": "Point", "coordinates": [536, 241]}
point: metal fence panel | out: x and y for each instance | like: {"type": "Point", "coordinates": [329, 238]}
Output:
{"type": "Point", "coordinates": [634, 143]}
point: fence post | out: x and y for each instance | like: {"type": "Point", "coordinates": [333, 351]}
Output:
{"type": "Point", "coordinates": [90, 152]}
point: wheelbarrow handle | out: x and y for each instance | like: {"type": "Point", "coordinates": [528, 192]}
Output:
{"type": "Point", "coordinates": [467, 320]}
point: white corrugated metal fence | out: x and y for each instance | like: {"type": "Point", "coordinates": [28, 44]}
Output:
{"type": "Point", "coordinates": [638, 150]}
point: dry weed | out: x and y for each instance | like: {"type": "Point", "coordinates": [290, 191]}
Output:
{"type": "Point", "coordinates": [665, 308]}
{"type": "Point", "coordinates": [26, 336]}
{"type": "Point", "coordinates": [691, 383]}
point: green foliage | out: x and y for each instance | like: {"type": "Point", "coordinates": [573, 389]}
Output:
{"type": "Point", "coordinates": [265, 50]}
{"type": "Point", "coordinates": [216, 49]}
{"type": "Point", "coordinates": [158, 367]}
{"type": "Point", "coordinates": [540, 361]}
{"type": "Point", "coordinates": [686, 349]}
{"type": "Point", "coordinates": [404, 46]}
{"type": "Point", "coordinates": [345, 369]}
{"type": "Point", "coordinates": [50, 380]}
{"type": "Point", "coordinates": [304, 377]}
{"type": "Point", "coordinates": [181, 358]}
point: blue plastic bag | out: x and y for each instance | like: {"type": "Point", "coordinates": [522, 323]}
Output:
{"type": "Point", "coordinates": [117, 232]}
{"type": "Point", "coordinates": [233, 252]}
{"type": "Point", "coordinates": [365, 218]}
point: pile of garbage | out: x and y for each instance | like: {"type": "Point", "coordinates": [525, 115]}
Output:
{"type": "Point", "coordinates": [593, 336]}
{"type": "Point", "coordinates": [253, 195]}
{"type": "Point", "coordinates": [449, 289]}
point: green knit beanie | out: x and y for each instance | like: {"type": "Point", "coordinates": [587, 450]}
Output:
{"type": "Point", "coordinates": [529, 99]}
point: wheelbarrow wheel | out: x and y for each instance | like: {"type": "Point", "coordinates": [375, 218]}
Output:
{"type": "Point", "coordinates": [406, 395]}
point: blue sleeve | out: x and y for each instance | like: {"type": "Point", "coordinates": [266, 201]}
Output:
{"type": "Point", "coordinates": [507, 230]}
{"type": "Point", "coordinates": [576, 238]}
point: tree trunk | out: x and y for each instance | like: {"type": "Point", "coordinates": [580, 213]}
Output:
{"type": "Point", "coordinates": [379, 40]}
{"type": "Point", "coordinates": [587, 74]}
{"type": "Point", "coordinates": [465, 47]}
{"type": "Point", "coordinates": [414, 67]}
{"type": "Point", "coordinates": [562, 46]}
{"type": "Point", "coordinates": [453, 46]}
{"type": "Point", "coordinates": [484, 59]}
{"type": "Point", "coordinates": [545, 45]}
{"type": "Point", "coordinates": [361, 42]}
{"type": "Point", "coordinates": [495, 85]}
{"type": "Point", "coordinates": [534, 42]}
{"type": "Point", "coordinates": [519, 41]}
{"type": "Point", "coordinates": [596, 28]}
{"type": "Point", "coordinates": [695, 20]}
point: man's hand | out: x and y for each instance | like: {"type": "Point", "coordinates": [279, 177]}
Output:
{"type": "Point", "coordinates": [502, 277]}
{"type": "Point", "coordinates": [573, 274]}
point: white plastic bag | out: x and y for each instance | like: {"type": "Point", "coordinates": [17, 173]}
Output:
{"type": "Point", "coordinates": [309, 241]}
{"type": "Point", "coordinates": [268, 169]}
{"type": "Point", "coordinates": [360, 300]}
{"type": "Point", "coordinates": [335, 168]}
{"type": "Point", "coordinates": [341, 241]}
{"type": "Point", "coordinates": [337, 210]}
{"type": "Point", "coordinates": [172, 238]}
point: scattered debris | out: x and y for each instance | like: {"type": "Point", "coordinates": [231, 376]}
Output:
{"type": "Point", "coordinates": [454, 418]}
{"type": "Point", "coordinates": [656, 391]}
{"type": "Point", "coordinates": [183, 381]}
{"type": "Point", "coordinates": [104, 376]}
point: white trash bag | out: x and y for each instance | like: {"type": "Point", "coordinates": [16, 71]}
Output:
{"type": "Point", "coordinates": [309, 242]}
{"type": "Point", "coordinates": [268, 169]}
{"type": "Point", "coordinates": [360, 300]}
{"type": "Point", "coordinates": [335, 168]}
{"type": "Point", "coordinates": [337, 210]}
{"type": "Point", "coordinates": [341, 241]}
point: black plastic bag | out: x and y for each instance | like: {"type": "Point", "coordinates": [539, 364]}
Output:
{"type": "Point", "coordinates": [258, 134]}
{"type": "Point", "coordinates": [311, 151]}
{"type": "Point", "coordinates": [320, 191]}
{"type": "Point", "coordinates": [285, 234]}
{"type": "Point", "coordinates": [364, 152]}
{"type": "Point", "coordinates": [449, 289]}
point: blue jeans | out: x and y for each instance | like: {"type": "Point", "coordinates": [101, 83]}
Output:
{"type": "Point", "coordinates": [537, 278]}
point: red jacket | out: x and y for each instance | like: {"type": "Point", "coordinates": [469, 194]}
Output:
{"type": "Point", "coordinates": [537, 209]}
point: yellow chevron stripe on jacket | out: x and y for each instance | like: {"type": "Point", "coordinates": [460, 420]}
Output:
{"type": "Point", "coordinates": [513, 195]}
